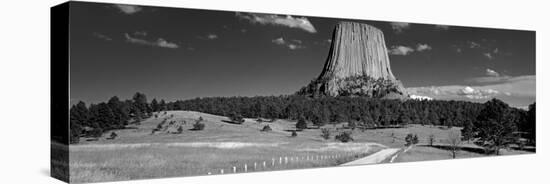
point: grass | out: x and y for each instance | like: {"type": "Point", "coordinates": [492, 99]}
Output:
{"type": "Point", "coordinates": [138, 154]}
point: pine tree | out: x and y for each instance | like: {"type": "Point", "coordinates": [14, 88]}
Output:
{"type": "Point", "coordinates": [494, 127]}
{"type": "Point", "coordinates": [301, 124]}
{"type": "Point", "coordinates": [155, 106]}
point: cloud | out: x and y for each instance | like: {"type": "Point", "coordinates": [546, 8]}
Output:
{"type": "Point", "coordinates": [488, 55]}
{"type": "Point", "coordinates": [128, 9]}
{"type": "Point", "coordinates": [473, 44]}
{"type": "Point", "coordinates": [279, 41]}
{"type": "Point", "coordinates": [517, 91]}
{"type": "Point", "coordinates": [212, 36]}
{"type": "Point", "coordinates": [472, 93]}
{"type": "Point", "coordinates": [442, 27]}
{"type": "Point", "coordinates": [418, 97]}
{"type": "Point", "coordinates": [399, 27]}
{"type": "Point", "coordinates": [101, 36]}
{"type": "Point", "coordinates": [292, 45]}
{"type": "Point", "coordinates": [287, 21]}
{"type": "Point", "coordinates": [423, 47]}
{"type": "Point", "coordinates": [400, 50]}
{"type": "Point", "coordinates": [160, 42]}
{"type": "Point", "coordinates": [491, 73]}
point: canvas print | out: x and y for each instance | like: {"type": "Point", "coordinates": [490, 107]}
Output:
{"type": "Point", "coordinates": [169, 92]}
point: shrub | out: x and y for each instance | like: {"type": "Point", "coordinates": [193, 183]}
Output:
{"type": "Point", "coordinates": [266, 128]}
{"type": "Point", "coordinates": [159, 126]}
{"type": "Point", "coordinates": [113, 135]}
{"type": "Point", "coordinates": [294, 134]}
{"type": "Point", "coordinates": [180, 129]}
{"type": "Point", "coordinates": [236, 118]}
{"type": "Point", "coordinates": [156, 116]}
{"type": "Point", "coordinates": [411, 139]}
{"type": "Point", "coordinates": [301, 124]}
{"type": "Point", "coordinates": [325, 133]}
{"type": "Point", "coordinates": [344, 137]}
{"type": "Point", "coordinates": [198, 126]}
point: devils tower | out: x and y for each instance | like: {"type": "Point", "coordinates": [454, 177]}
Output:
{"type": "Point", "coordinates": [357, 65]}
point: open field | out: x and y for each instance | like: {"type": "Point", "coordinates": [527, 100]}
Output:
{"type": "Point", "coordinates": [223, 148]}
{"type": "Point", "coordinates": [137, 154]}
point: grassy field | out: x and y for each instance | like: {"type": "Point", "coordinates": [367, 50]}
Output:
{"type": "Point", "coordinates": [137, 153]}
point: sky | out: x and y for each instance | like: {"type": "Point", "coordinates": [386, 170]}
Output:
{"type": "Point", "coordinates": [178, 54]}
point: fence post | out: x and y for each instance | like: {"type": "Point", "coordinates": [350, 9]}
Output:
{"type": "Point", "coordinates": [264, 164]}
{"type": "Point", "coordinates": [280, 160]}
{"type": "Point", "coordinates": [221, 171]}
{"type": "Point", "coordinates": [245, 168]}
{"type": "Point", "coordinates": [286, 160]}
{"type": "Point", "coordinates": [272, 162]}
{"type": "Point", "coordinates": [234, 169]}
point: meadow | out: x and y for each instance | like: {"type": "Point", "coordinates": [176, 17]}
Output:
{"type": "Point", "coordinates": [224, 148]}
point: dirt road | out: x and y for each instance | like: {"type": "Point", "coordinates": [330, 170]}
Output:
{"type": "Point", "coordinates": [374, 158]}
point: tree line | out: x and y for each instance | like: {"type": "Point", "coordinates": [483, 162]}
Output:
{"type": "Point", "coordinates": [364, 112]}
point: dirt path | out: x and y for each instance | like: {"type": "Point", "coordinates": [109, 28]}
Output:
{"type": "Point", "coordinates": [374, 158]}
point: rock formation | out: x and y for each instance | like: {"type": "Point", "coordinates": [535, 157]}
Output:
{"type": "Point", "coordinates": [357, 65]}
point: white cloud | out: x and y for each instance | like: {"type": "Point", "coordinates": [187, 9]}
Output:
{"type": "Point", "coordinates": [442, 27]}
{"type": "Point", "coordinates": [102, 36]}
{"type": "Point", "coordinates": [491, 73]}
{"type": "Point", "coordinates": [287, 21]}
{"type": "Point", "coordinates": [399, 27]}
{"type": "Point", "coordinates": [292, 45]}
{"type": "Point", "coordinates": [160, 42]}
{"type": "Point", "coordinates": [472, 93]}
{"type": "Point", "coordinates": [488, 55]}
{"type": "Point", "coordinates": [418, 97]}
{"type": "Point", "coordinates": [473, 44]}
{"type": "Point", "coordinates": [128, 9]}
{"type": "Point", "coordinates": [279, 41]}
{"type": "Point", "coordinates": [212, 36]}
{"type": "Point", "coordinates": [423, 47]}
{"type": "Point", "coordinates": [517, 91]}
{"type": "Point", "coordinates": [400, 50]}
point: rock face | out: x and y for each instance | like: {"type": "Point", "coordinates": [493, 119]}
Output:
{"type": "Point", "coordinates": [357, 65]}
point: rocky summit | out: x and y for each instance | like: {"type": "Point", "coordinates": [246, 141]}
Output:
{"type": "Point", "coordinates": [357, 65]}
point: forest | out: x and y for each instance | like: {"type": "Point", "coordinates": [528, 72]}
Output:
{"type": "Point", "coordinates": [95, 119]}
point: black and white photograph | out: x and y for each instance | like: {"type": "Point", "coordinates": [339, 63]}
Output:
{"type": "Point", "coordinates": [157, 92]}
{"type": "Point", "coordinates": [140, 92]}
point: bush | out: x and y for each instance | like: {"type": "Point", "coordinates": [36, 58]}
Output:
{"type": "Point", "coordinates": [301, 124]}
{"type": "Point", "coordinates": [113, 135]}
{"type": "Point", "coordinates": [180, 129]}
{"type": "Point", "coordinates": [344, 137]}
{"type": "Point", "coordinates": [325, 133]}
{"type": "Point", "coordinates": [411, 139]}
{"type": "Point", "coordinates": [294, 134]}
{"type": "Point", "coordinates": [198, 125]}
{"type": "Point", "coordinates": [236, 118]}
{"type": "Point", "coordinates": [266, 128]}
